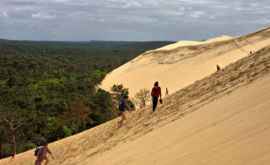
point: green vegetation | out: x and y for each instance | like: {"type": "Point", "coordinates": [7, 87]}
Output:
{"type": "Point", "coordinates": [49, 89]}
{"type": "Point", "coordinates": [142, 98]}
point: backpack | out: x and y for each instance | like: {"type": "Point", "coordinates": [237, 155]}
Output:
{"type": "Point", "coordinates": [122, 104]}
{"type": "Point", "coordinates": [37, 150]}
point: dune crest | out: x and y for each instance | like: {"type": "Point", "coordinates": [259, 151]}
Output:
{"type": "Point", "coordinates": [179, 67]}
{"type": "Point", "coordinates": [194, 43]}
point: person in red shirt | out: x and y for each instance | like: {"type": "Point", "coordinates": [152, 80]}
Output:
{"type": "Point", "coordinates": [156, 94]}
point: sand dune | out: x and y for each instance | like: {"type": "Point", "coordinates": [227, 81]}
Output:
{"type": "Point", "coordinates": [221, 119]}
{"type": "Point", "coordinates": [177, 68]}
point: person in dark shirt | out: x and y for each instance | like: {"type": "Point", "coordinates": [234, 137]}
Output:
{"type": "Point", "coordinates": [42, 154]}
{"type": "Point", "coordinates": [156, 95]}
{"type": "Point", "coordinates": [123, 107]}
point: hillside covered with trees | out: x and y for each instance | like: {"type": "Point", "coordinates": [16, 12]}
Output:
{"type": "Point", "coordinates": [48, 90]}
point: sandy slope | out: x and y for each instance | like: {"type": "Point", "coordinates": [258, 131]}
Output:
{"type": "Point", "coordinates": [233, 130]}
{"type": "Point", "coordinates": [229, 125]}
{"type": "Point", "coordinates": [179, 67]}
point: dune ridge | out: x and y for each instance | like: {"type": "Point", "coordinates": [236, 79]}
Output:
{"type": "Point", "coordinates": [179, 67]}
{"type": "Point", "coordinates": [193, 43]}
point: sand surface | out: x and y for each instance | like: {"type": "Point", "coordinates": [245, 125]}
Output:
{"type": "Point", "coordinates": [180, 67]}
{"type": "Point", "coordinates": [220, 119]}
{"type": "Point", "coordinates": [233, 130]}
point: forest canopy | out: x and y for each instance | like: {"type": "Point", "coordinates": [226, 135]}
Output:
{"type": "Point", "coordinates": [48, 90]}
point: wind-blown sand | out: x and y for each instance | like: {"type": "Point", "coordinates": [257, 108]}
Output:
{"type": "Point", "coordinates": [176, 68]}
{"type": "Point", "coordinates": [221, 119]}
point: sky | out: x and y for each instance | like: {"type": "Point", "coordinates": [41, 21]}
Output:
{"type": "Point", "coordinates": [130, 20]}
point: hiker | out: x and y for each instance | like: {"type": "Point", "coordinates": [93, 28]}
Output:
{"type": "Point", "coordinates": [156, 94]}
{"type": "Point", "coordinates": [167, 92]}
{"type": "Point", "coordinates": [42, 154]}
{"type": "Point", "coordinates": [123, 106]}
{"type": "Point", "coordinates": [218, 68]}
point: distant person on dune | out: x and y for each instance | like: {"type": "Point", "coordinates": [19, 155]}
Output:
{"type": "Point", "coordinates": [167, 92]}
{"type": "Point", "coordinates": [42, 154]}
{"type": "Point", "coordinates": [218, 68]}
{"type": "Point", "coordinates": [156, 94]}
{"type": "Point", "coordinates": [123, 107]}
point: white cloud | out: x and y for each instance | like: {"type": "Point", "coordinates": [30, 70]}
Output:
{"type": "Point", "coordinates": [197, 2]}
{"type": "Point", "coordinates": [58, 1]}
{"type": "Point", "coordinates": [197, 14]}
{"type": "Point", "coordinates": [44, 16]}
{"type": "Point", "coordinates": [4, 14]}
{"type": "Point", "coordinates": [132, 4]}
